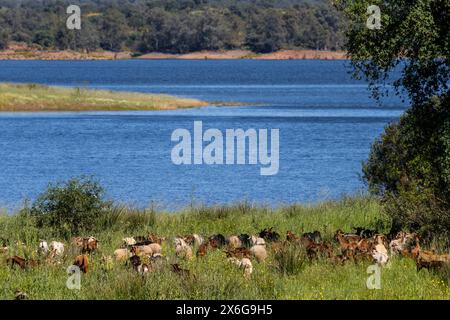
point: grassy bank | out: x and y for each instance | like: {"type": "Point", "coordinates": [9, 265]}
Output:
{"type": "Point", "coordinates": [33, 97]}
{"type": "Point", "coordinates": [215, 278]}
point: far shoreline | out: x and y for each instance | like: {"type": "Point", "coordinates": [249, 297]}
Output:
{"type": "Point", "coordinates": [18, 51]}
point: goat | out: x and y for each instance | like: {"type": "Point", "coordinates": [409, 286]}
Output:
{"type": "Point", "coordinates": [403, 242]}
{"type": "Point", "coordinates": [259, 252]}
{"type": "Point", "coordinates": [429, 260]}
{"type": "Point", "coordinates": [291, 237]}
{"type": "Point", "coordinates": [135, 261]}
{"type": "Point", "coordinates": [128, 242]}
{"type": "Point", "coordinates": [246, 240]}
{"type": "Point", "coordinates": [121, 254]}
{"type": "Point", "coordinates": [86, 245]}
{"type": "Point", "coordinates": [238, 253]}
{"type": "Point", "coordinates": [19, 295]}
{"type": "Point", "coordinates": [234, 242]}
{"type": "Point", "coordinates": [347, 241]}
{"type": "Point", "coordinates": [269, 235]}
{"type": "Point", "coordinates": [314, 250]}
{"type": "Point", "coordinates": [22, 262]}
{"type": "Point", "coordinates": [56, 249]}
{"type": "Point", "coordinates": [380, 253]}
{"type": "Point", "coordinates": [140, 241]}
{"type": "Point", "coordinates": [138, 266]}
{"type": "Point", "coordinates": [313, 236]}
{"type": "Point", "coordinates": [202, 250]}
{"type": "Point", "coordinates": [255, 241]}
{"type": "Point", "coordinates": [82, 262]}
{"type": "Point", "coordinates": [365, 233]}
{"type": "Point", "coordinates": [155, 239]}
{"type": "Point", "coordinates": [193, 240]}
{"type": "Point", "coordinates": [182, 249]}
{"type": "Point", "coordinates": [243, 263]}
{"type": "Point", "coordinates": [91, 245]}
{"type": "Point", "coordinates": [143, 269]}
{"type": "Point", "coordinates": [43, 248]}
{"type": "Point", "coordinates": [217, 241]}
{"type": "Point", "coordinates": [156, 248]}
{"type": "Point", "coordinates": [139, 250]}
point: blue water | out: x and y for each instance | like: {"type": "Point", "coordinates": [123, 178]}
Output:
{"type": "Point", "coordinates": [327, 123]}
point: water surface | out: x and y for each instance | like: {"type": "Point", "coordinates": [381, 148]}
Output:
{"type": "Point", "coordinates": [327, 123]}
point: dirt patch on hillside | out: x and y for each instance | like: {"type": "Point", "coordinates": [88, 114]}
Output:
{"type": "Point", "coordinates": [303, 55]}
{"type": "Point", "coordinates": [246, 54]}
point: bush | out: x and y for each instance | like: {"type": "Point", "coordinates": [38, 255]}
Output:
{"type": "Point", "coordinates": [409, 166]}
{"type": "Point", "coordinates": [72, 207]}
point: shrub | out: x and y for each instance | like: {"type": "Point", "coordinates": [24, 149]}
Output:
{"type": "Point", "coordinates": [409, 166]}
{"type": "Point", "coordinates": [71, 207]}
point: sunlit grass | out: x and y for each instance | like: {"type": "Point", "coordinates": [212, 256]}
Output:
{"type": "Point", "coordinates": [34, 97]}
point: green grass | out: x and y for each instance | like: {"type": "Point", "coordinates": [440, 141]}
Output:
{"type": "Point", "coordinates": [34, 97]}
{"type": "Point", "coordinates": [214, 277]}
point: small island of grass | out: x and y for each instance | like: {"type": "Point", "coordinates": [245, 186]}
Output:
{"type": "Point", "coordinates": [36, 97]}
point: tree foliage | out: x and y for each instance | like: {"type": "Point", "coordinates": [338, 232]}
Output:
{"type": "Point", "coordinates": [3, 40]}
{"type": "Point", "coordinates": [410, 167]}
{"type": "Point", "coordinates": [414, 37]}
{"type": "Point", "coordinates": [71, 207]}
{"type": "Point", "coordinates": [410, 164]}
{"type": "Point", "coordinates": [175, 26]}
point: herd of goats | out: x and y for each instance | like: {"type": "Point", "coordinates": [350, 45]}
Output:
{"type": "Point", "coordinates": [144, 253]}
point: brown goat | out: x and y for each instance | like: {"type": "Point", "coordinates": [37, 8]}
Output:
{"type": "Point", "coordinates": [347, 241]}
{"type": "Point", "coordinates": [202, 250]}
{"type": "Point", "coordinates": [429, 260]}
{"type": "Point", "coordinates": [155, 239]}
{"type": "Point", "coordinates": [22, 262]}
{"type": "Point", "coordinates": [86, 245]}
{"type": "Point", "coordinates": [239, 253]}
{"type": "Point", "coordinates": [314, 250]}
{"type": "Point", "coordinates": [82, 262]}
{"type": "Point", "coordinates": [291, 237]}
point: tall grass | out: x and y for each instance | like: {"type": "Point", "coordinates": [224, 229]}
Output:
{"type": "Point", "coordinates": [290, 260]}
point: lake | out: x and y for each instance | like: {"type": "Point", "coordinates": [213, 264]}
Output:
{"type": "Point", "coordinates": [327, 122]}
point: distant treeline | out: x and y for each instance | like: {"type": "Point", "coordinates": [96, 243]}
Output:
{"type": "Point", "coordinates": [174, 26]}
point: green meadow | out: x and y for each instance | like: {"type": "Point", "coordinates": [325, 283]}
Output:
{"type": "Point", "coordinates": [212, 277]}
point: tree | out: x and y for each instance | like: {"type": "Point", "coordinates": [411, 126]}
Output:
{"type": "Point", "coordinates": [71, 208]}
{"type": "Point", "coordinates": [409, 166]}
{"type": "Point", "coordinates": [113, 30]}
{"type": "Point", "coordinates": [44, 38]}
{"type": "Point", "coordinates": [175, 26]}
{"type": "Point", "coordinates": [266, 32]}
{"type": "Point", "coordinates": [3, 40]}
{"type": "Point", "coordinates": [418, 31]}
